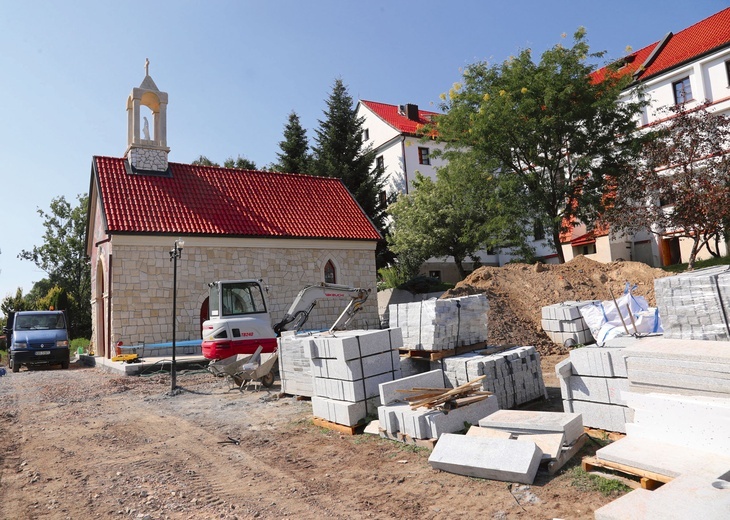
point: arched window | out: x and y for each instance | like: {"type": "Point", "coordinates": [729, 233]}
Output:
{"type": "Point", "coordinates": [330, 274]}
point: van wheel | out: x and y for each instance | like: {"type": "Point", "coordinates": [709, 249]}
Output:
{"type": "Point", "coordinates": [64, 365]}
{"type": "Point", "coordinates": [15, 366]}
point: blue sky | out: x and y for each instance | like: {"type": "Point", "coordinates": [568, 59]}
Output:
{"type": "Point", "coordinates": [235, 69]}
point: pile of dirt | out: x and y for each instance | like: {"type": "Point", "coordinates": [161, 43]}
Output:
{"type": "Point", "coordinates": [517, 293]}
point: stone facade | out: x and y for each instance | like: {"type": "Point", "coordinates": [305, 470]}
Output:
{"type": "Point", "coordinates": [142, 276]}
{"type": "Point", "coordinates": [151, 159]}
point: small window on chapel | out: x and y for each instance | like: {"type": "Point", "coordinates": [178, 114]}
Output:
{"type": "Point", "coordinates": [330, 274]}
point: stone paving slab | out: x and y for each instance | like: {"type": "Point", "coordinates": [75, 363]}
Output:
{"type": "Point", "coordinates": [482, 457]}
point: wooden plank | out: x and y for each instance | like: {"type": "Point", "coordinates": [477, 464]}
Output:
{"type": "Point", "coordinates": [566, 454]}
{"type": "Point", "coordinates": [590, 463]}
{"type": "Point", "coordinates": [347, 430]}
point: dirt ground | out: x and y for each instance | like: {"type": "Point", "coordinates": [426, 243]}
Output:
{"type": "Point", "coordinates": [82, 443]}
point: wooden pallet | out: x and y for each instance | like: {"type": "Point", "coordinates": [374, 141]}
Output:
{"type": "Point", "coordinates": [648, 479]}
{"type": "Point", "coordinates": [341, 428]}
{"type": "Point", "coordinates": [435, 355]}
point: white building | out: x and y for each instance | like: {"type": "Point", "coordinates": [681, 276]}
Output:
{"type": "Point", "coordinates": [393, 132]}
{"type": "Point", "coordinates": [691, 66]}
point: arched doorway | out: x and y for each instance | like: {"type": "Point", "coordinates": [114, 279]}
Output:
{"type": "Point", "coordinates": [100, 325]}
{"type": "Point", "coordinates": [204, 310]}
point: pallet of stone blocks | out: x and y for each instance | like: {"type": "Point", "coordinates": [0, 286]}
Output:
{"type": "Point", "coordinates": [441, 324]}
{"type": "Point", "coordinates": [295, 370]}
{"type": "Point", "coordinates": [347, 369]}
{"type": "Point", "coordinates": [592, 380]}
{"type": "Point", "coordinates": [514, 376]}
{"type": "Point", "coordinates": [399, 422]}
{"type": "Point", "coordinates": [694, 305]}
{"type": "Point", "coordinates": [564, 323]}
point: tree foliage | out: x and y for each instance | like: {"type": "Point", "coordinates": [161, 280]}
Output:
{"type": "Point", "coordinates": [681, 185]}
{"type": "Point", "coordinates": [339, 153]}
{"type": "Point", "coordinates": [63, 258]}
{"type": "Point", "coordinates": [294, 156]}
{"type": "Point", "coordinates": [549, 125]}
{"type": "Point", "coordinates": [203, 161]}
{"type": "Point", "coordinates": [464, 211]}
{"type": "Point", "coordinates": [240, 163]}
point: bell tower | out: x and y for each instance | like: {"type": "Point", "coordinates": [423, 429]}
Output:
{"type": "Point", "coordinates": [147, 152]}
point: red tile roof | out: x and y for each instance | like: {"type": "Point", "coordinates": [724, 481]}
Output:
{"type": "Point", "coordinates": [705, 36]}
{"type": "Point", "coordinates": [204, 200]}
{"type": "Point", "coordinates": [390, 114]}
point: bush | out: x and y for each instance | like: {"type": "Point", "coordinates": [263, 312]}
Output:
{"type": "Point", "coordinates": [79, 342]}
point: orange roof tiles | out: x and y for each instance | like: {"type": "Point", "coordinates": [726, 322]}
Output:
{"type": "Point", "coordinates": [705, 36]}
{"type": "Point", "coordinates": [203, 200]}
{"type": "Point", "coordinates": [391, 115]}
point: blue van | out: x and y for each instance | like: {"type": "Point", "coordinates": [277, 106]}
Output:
{"type": "Point", "coordinates": [38, 338]}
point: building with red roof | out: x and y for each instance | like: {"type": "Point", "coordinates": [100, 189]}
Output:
{"type": "Point", "coordinates": [291, 230]}
{"type": "Point", "coordinates": [396, 133]}
{"type": "Point", "coordinates": [691, 66]}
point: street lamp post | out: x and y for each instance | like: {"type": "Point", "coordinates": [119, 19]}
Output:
{"type": "Point", "coordinates": [175, 253]}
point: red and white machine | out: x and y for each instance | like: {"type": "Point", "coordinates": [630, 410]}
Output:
{"type": "Point", "coordinates": [239, 321]}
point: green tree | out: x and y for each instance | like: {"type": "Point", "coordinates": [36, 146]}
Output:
{"type": "Point", "coordinates": [203, 161]}
{"type": "Point", "coordinates": [339, 153]}
{"type": "Point", "coordinates": [294, 156]}
{"type": "Point", "coordinates": [240, 163]}
{"type": "Point", "coordinates": [681, 187]}
{"type": "Point", "coordinates": [550, 125]}
{"type": "Point", "coordinates": [464, 211]}
{"type": "Point", "coordinates": [63, 257]}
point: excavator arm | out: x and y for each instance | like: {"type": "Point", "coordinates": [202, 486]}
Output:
{"type": "Point", "coordinates": [306, 300]}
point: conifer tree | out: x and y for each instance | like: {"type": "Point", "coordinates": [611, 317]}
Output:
{"type": "Point", "coordinates": [294, 156]}
{"type": "Point", "coordinates": [339, 153]}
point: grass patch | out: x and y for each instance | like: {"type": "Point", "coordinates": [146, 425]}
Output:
{"type": "Point", "coordinates": [79, 342]}
{"type": "Point", "coordinates": [699, 264]}
{"type": "Point", "coordinates": [588, 482]}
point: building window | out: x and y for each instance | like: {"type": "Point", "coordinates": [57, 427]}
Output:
{"type": "Point", "coordinates": [423, 157]}
{"type": "Point", "coordinates": [380, 163]}
{"type": "Point", "coordinates": [588, 249]}
{"type": "Point", "coordinates": [682, 91]}
{"type": "Point", "coordinates": [538, 230]}
{"type": "Point", "coordinates": [383, 198]}
{"type": "Point", "coordinates": [435, 274]}
{"type": "Point", "coordinates": [330, 274]}
{"type": "Point", "coordinates": [366, 134]}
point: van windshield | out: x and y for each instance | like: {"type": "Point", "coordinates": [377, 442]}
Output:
{"type": "Point", "coordinates": [39, 321]}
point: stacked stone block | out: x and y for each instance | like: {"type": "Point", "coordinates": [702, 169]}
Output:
{"type": "Point", "coordinates": [564, 323]}
{"type": "Point", "coordinates": [441, 324]}
{"type": "Point", "coordinates": [686, 367]}
{"type": "Point", "coordinates": [348, 368]}
{"type": "Point", "coordinates": [696, 304]}
{"type": "Point", "coordinates": [397, 419]}
{"type": "Point", "coordinates": [514, 376]}
{"type": "Point", "coordinates": [591, 383]}
{"type": "Point", "coordinates": [295, 370]}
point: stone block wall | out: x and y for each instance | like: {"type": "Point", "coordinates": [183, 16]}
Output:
{"type": "Point", "coordinates": [142, 278]}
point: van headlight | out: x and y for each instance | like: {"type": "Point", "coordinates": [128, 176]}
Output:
{"type": "Point", "coordinates": [62, 343]}
{"type": "Point", "coordinates": [18, 345]}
